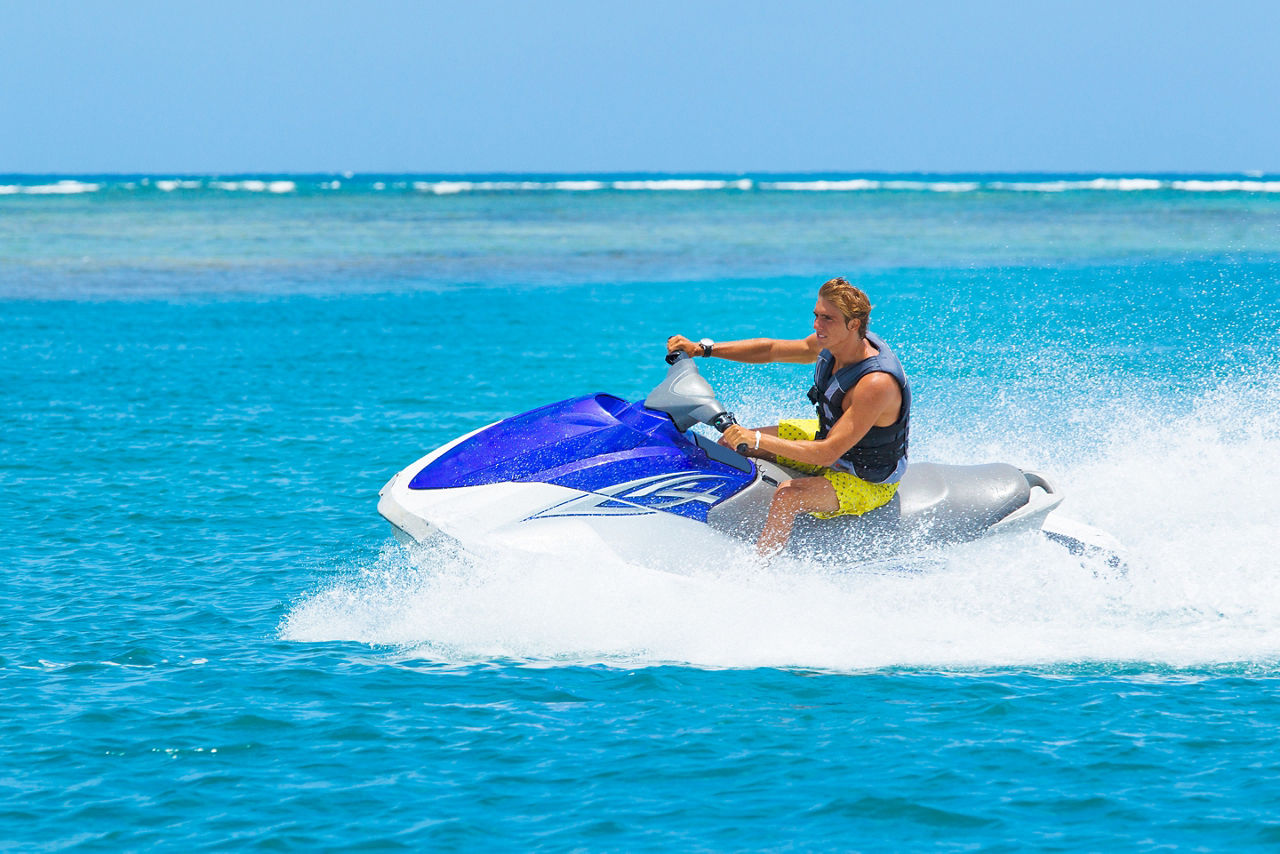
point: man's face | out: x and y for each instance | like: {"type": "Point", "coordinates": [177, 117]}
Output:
{"type": "Point", "coordinates": [829, 324]}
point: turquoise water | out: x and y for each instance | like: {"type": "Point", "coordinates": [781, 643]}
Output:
{"type": "Point", "coordinates": [212, 641]}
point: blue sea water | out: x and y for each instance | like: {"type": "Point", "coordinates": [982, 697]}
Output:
{"type": "Point", "coordinates": [211, 641]}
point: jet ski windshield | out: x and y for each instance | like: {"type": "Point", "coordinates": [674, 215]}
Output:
{"type": "Point", "coordinates": [687, 397]}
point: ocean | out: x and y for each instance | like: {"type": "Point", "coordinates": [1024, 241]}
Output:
{"type": "Point", "coordinates": [212, 641]}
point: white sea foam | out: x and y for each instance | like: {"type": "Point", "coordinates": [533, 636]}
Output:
{"type": "Point", "coordinates": [254, 185]}
{"type": "Point", "coordinates": [579, 186]}
{"type": "Point", "coordinates": [1192, 496]}
{"type": "Point", "coordinates": [448, 187]}
{"type": "Point", "coordinates": [1121, 185]}
{"type": "Point", "coordinates": [1227, 186]}
{"type": "Point", "coordinates": [1112, 184]}
{"type": "Point", "coordinates": [442, 188]}
{"type": "Point", "coordinates": [1124, 185]}
{"type": "Point", "coordinates": [864, 184]}
{"type": "Point", "coordinates": [170, 185]}
{"type": "Point", "coordinates": [59, 188]}
{"type": "Point", "coordinates": [933, 186]}
{"type": "Point", "coordinates": [683, 184]}
{"type": "Point", "coordinates": [852, 184]}
{"type": "Point", "coordinates": [582, 186]}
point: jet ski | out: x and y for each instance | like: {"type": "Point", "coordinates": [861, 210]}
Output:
{"type": "Point", "coordinates": [636, 479]}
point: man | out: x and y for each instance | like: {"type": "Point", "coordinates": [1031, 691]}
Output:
{"type": "Point", "coordinates": [856, 450]}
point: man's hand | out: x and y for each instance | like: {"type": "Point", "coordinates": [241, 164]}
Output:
{"type": "Point", "coordinates": [738, 435]}
{"type": "Point", "coordinates": [684, 345]}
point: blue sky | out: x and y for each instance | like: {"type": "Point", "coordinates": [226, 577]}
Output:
{"type": "Point", "coordinates": [232, 86]}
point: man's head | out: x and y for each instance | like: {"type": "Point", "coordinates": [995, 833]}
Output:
{"type": "Point", "coordinates": [852, 303]}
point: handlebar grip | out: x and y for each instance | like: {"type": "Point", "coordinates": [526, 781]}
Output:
{"type": "Point", "coordinates": [676, 355]}
{"type": "Point", "coordinates": [723, 422]}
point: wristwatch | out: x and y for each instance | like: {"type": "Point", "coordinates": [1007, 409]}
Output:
{"type": "Point", "coordinates": [706, 344]}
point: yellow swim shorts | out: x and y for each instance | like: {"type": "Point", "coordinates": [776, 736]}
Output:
{"type": "Point", "coordinates": [856, 495]}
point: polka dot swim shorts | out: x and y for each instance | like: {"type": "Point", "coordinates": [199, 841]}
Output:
{"type": "Point", "coordinates": [856, 495]}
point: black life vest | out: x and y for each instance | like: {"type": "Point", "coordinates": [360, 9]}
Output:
{"type": "Point", "coordinates": [878, 453]}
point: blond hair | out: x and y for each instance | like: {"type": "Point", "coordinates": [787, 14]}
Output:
{"type": "Point", "coordinates": [851, 302]}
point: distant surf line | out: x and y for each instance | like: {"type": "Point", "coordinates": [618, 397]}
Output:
{"type": "Point", "coordinates": [586, 184]}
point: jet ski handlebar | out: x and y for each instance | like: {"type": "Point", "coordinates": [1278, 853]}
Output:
{"type": "Point", "coordinates": [688, 398]}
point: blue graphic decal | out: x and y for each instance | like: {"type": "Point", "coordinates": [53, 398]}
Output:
{"type": "Point", "coordinates": [647, 495]}
{"type": "Point", "coordinates": [632, 460]}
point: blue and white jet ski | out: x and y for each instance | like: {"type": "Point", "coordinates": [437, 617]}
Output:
{"type": "Point", "coordinates": [635, 480]}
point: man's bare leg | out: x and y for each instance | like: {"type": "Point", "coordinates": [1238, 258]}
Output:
{"type": "Point", "coordinates": [801, 495]}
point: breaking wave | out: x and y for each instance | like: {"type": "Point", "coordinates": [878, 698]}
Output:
{"type": "Point", "coordinates": [587, 184]}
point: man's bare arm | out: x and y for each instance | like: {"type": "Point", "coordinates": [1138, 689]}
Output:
{"type": "Point", "coordinates": [875, 399]}
{"type": "Point", "coordinates": [756, 351]}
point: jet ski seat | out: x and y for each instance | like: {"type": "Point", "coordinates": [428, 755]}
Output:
{"type": "Point", "coordinates": [934, 504]}
{"type": "Point", "coordinates": [962, 495]}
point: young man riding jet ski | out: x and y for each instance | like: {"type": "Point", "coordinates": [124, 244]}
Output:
{"type": "Point", "coordinates": [856, 450]}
